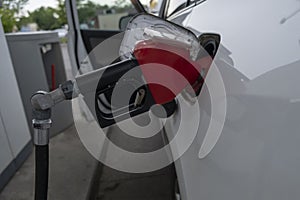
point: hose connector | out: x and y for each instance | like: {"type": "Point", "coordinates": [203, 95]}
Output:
{"type": "Point", "coordinates": [41, 131]}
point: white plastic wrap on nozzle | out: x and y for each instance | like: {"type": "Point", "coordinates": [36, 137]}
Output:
{"type": "Point", "coordinates": [148, 27]}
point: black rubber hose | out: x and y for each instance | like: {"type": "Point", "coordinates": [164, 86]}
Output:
{"type": "Point", "coordinates": [41, 172]}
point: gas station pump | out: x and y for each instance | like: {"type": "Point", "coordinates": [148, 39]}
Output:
{"type": "Point", "coordinates": [159, 60]}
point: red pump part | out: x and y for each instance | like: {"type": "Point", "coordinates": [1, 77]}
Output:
{"type": "Point", "coordinates": [168, 69]}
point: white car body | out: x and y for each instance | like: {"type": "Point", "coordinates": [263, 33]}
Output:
{"type": "Point", "coordinates": [256, 156]}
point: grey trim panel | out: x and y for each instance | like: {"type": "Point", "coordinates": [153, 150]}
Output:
{"type": "Point", "coordinates": [11, 169]}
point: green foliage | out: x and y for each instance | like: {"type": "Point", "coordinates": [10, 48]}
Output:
{"type": "Point", "coordinates": [8, 19]}
{"type": "Point", "coordinates": [61, 12]}
{"type": "Point", "coordinates": [63, 40]}
{"type": "Point", "coordinates": [87, 10]}
{"type": "Point", "coordinates": [122, 6]}
{"type": "Point", "coordinates": [15, 5]}
{"type": "Point", "coordinates": [48, 18]}
{"type": "Point", "coordinates": [45, 18]}
{"type": "Point", "coordinates": [120, 3]}
{"type": "Point", "coordinates": [23, 21]}
{"type": "Point", "coordinates": [8, 12]}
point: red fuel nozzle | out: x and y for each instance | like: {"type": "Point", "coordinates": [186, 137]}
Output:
{"type": "Point", "coordinates": [168, 68]}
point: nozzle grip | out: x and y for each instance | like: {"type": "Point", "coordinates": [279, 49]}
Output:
{"type": "Point", "coordinates": [114, 72]}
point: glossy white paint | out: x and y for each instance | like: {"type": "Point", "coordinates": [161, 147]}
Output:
{"type": "Point", "coordinates": [252, 31]}
{"type": "Point", "coordinates": [257, 155]}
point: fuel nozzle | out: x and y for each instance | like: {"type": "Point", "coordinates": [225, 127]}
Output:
{"type": "Point", "coordinates": [170, 57]}
{"type": "Point", "coordinates": [159, 61]}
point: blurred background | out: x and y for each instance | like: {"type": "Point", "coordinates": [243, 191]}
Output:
{"type": "Point", "coordinates": [35, 15]}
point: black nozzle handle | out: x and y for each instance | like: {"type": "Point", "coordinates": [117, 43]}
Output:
{"type": "Point", "coordinates": [114, 72]}
{"type": "Point", "coordinates": [109, 75]}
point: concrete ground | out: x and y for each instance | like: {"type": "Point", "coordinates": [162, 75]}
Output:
{"type": "Point", "coordinates": [110, 184]}
{"type": "Point", "coordinates": [76, 175]}
{"type": "Point", "coordinates": [72, 167]}
{"type": "Point", "coordinates": [71, 171]}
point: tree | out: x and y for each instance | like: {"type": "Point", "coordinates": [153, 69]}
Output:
{"type": "Point", "coordinates": [122, 6]}
{"type": "Point", "coordinates": [8, 19]}
{"type": "Point", "coordinates": [120, 3]}
{"type": "Point", "coordinates": [46, 18]}
{"type": "Point", "coordinates": [15, 5]}
{"type": "Point", "coordinates": [61, 12]}
{"type": "Point", "coordinates": [88, 10]}
{"type": "Point", "coordinates": [8, 12]}
{"type": "Point", "coordinates": [23, 21]}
